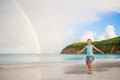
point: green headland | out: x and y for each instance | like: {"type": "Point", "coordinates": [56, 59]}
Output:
{"type": "Point", "coordinates": [109, 46]}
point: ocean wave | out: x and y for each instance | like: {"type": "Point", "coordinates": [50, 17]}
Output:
{"type": "Point", "coordinates": [14, 66]}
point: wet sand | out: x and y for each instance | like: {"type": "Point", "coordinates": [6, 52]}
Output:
{"type": "Point", "coordinates": [26, 73]}
{"type": "Point", "coordinates": [62, 71]}
{"type": "Point", "coordinates": [97, 67]}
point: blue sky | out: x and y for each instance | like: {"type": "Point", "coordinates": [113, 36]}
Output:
{"type": "Point", "coordinates": [47, 26]}
{"type": "Point", "coordinates": [111, 18]}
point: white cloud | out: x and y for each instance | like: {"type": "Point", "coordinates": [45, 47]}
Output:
{"type": "Point", "coordinates": [62, 14]}
{"type": "Point", "coordinates": [102, 36]}
{"type": "Point", "coordinates": [110, 31]}
{"type": "Point", "coordinates": [70, 33]}
{"type": "Point", "coordinates": [86, 35]}
{"type": "Point", "coordinates": [22, 49]}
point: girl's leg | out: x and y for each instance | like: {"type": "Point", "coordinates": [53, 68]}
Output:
{"type": "Point", "coordinates": [89, 65]}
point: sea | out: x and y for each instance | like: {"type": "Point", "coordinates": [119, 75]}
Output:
{"type": "Point", "coordinates": [12, 59]}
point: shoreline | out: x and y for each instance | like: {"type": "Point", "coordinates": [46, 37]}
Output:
{"type": "Point", "coordinates": [103, 62]}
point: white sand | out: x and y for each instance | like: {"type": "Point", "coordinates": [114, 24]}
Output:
{"type": "Point", "coordinates": [74, 71]}
{"type": "Point", "coordinates": [63, 71]}
{"type": "Point", "coordinates": [21, 74]}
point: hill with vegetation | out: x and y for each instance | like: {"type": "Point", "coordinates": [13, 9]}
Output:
{"type": "Point", "coordinates": [109, 46]}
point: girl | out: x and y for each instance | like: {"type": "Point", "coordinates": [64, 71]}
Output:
{"type": "Point", "coordinates": [89, 52]}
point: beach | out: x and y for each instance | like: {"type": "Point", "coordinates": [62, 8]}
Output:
{"type": "Point", "coordinates": [103, 70]}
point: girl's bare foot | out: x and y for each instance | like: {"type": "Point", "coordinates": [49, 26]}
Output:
{"type": "Point", "coordinates": [90, 72]}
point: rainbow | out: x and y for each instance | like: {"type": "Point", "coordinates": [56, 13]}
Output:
{"type": "Point", "coordinates": [30, 26]}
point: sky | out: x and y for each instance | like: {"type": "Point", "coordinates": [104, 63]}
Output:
{"type": "Point", "coordinates": [48, 26]}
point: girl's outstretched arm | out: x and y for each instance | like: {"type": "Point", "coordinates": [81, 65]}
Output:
{"type": "Point", "coordinates": [98, 49]}
{"type": "Point", "coordinates": [82, 50]}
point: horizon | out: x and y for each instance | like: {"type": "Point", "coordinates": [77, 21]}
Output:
{"type": "Point", "coordinates": [28, 26]}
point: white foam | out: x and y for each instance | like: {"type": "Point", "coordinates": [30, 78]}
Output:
{"type": "Point", "coordinates": [18, 66]}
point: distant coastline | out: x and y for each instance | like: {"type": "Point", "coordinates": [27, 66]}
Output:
{"type": "Point", "coordinates": [109, 46]}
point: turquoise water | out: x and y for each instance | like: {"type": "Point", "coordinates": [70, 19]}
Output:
{"type": "Point", "coordinates": [49, 58]}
